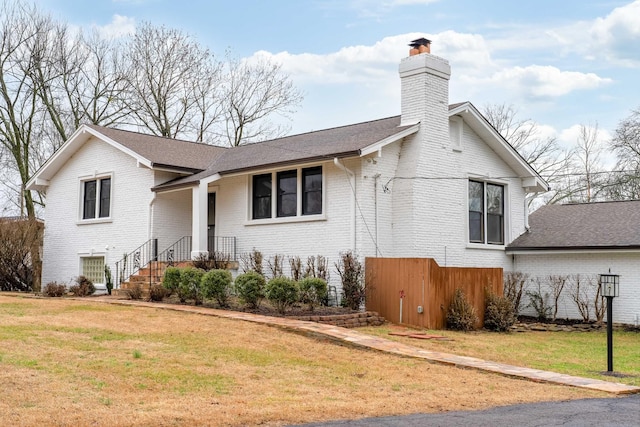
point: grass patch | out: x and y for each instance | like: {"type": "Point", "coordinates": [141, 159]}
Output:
{"type": "Point", "coordinates": [582, 354]}
{"type": "Point", "coordinates": [62, 366]}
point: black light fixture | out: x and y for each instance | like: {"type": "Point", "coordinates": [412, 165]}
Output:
{"type": "Point", "coordinates": [610, 285]}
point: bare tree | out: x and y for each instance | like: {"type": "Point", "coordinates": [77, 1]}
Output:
{"type": "Point", "coordinates": [543, 153]}
{"type": "Point", "coordinates": [172, 82]}
{"type": "Point", "coordinates": [625, 183]}
{"type": "Point", "coordinates": [90, 84]}
{"type": "Point", "coordinates": [588, 152]}
{"type": "Point", "coordinates": [24, 35]}
{"type": "Point", "coordinates": [253, 92]}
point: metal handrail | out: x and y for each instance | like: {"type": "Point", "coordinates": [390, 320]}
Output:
{"type": "Point", "coordinates": [132, 262]}
{"type": "Point", "coordinates": [180, 251]}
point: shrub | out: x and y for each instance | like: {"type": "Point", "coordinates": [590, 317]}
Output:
{"type": "Point", "coordinates": [171, 280]}
{"type": "Point", "coordinates": [189, 286]}
{"type": "Point", "coordinates": [352, 277]}
{"type": "Point", "coordinates": [313, 291]}
{"type": "Point", "coordinates": [461, 316]}
{"type": "Point", "coordinates": [499, 315]}
{"type": "Point", "coordinates": [282, 292]}
{"type": "Point", "coordinates": [134, 291]}
{"type": "Point", "coordinates": [216, 284]}
{"type": "Point", "coordinates": [514, 282]}
{"type": "Point", "coordinates": [250, 288]}
{"type": "Point", "coordinates": [539, 302]}
{"type": "Point", "coordinates": [157, 293]}
{"type": "Point", "coordinates": [19, 270]}
{"type": "Point", "coordinates": [275, 264]}
{"type": "Point", "coordinates": [83, 287]}
{"type": "Point", "coordinates": [108, 278]}
{"type": "Point", "coordinates": [212, 261]}
{"type": "Point", "coordinates": [252, 261]}
{"type": "Point", "coordinates": [55, 289]}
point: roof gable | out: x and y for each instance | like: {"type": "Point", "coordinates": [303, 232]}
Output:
{"type": "Point", "coordinates": [480, 125]}
{"type": "Point", "coordinates": [148, 150]}
{"type": "Point", "coordinates": [603, 225]}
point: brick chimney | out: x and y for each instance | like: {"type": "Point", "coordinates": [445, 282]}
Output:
{"type": "Point", "coordinates": [425, 84]}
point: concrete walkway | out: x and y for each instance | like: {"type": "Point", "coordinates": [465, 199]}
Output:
{"type": "Point", "coordinates": [357, 339]}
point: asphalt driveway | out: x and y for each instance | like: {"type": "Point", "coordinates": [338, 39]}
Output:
{"type": "Point", "coordinates": [616, 411]}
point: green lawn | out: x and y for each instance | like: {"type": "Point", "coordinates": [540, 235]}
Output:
{"type": "Point", "coordinates": [576, 353]}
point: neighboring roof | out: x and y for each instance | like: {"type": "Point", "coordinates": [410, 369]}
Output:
{"type": "Point", "coordinates": [152, 151]}
{"type": "Point", "coordinates": [585, 226]}
{"type": "Point", "coordinates": [344, 141]}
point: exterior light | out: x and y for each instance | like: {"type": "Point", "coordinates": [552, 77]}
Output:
{"type": "Point", "coordinates": [610, 285]}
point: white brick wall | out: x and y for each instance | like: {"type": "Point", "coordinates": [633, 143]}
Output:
{"type": "Point", "coordinates": [430, 206]}
{"type": "Point", "coordinates": [171, 217]}
{"type": "Point", "coordinates": [327, 237]}
{"type": "Point", "coordinates": [66, 237]}
{"type": "Point", "coordinates": [626, 308]}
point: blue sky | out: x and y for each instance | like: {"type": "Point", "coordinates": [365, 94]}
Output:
{"type": "Point", "coordinates": [559, 63]}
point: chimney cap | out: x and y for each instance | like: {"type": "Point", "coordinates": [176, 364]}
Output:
{"type": "Point", "coordinates": [420, 42]}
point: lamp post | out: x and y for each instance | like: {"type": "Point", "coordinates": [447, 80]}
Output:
{"type": "Point", "coordinates": [610, 288]}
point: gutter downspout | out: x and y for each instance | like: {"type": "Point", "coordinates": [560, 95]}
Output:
{"type": "Point", "coordinates": [352, 177]}
{"type": "Point", "coordinates": [526, 210]}
{"type": "Point", "coordinates": [150, 221]}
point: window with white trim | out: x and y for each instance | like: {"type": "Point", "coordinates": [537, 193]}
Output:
{"type": "Point", "coordinates": [96, 198]}
{"type": "Point", "coordinates": [297, 192]}
{"type": "Point", "coordinates": [486, 213]}
{"type": "Point", "coordinates": [93, 268]}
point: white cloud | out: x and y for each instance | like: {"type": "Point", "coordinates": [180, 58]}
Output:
{"type": "Point", "coordinates": [379, 62]}
{"type": "Point", "coordinates": [543, 82]}
{"type": "Point", "coordinates": [118, 27]}
{"type": "Point", "coordinates": [614, 37]}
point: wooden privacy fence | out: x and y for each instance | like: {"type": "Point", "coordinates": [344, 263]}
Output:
{"type": "Point", "coordinates": [423, 283]}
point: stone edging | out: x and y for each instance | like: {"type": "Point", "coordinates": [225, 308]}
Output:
{"type": "Point", "coordinates": [353, 320]}
{"type": "Point", "coordinates": [553, 327]}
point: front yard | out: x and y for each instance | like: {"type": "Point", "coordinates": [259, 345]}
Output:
{"type": "Point", "coordinates": [582, 354]}
{"type": "Point", "coordinates": [67, 362]}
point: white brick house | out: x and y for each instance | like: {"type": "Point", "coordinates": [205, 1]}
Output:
{"type": "Point", "coordinates": [586, 239]}
{"type": "Point", "coordinates": [436, 181]}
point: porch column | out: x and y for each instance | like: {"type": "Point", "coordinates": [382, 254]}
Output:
{"type": "Point", "coordinates": [199, 220]}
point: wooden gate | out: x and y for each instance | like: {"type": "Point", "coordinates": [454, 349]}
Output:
{"type": "Point", "coordinates": [423, 283]}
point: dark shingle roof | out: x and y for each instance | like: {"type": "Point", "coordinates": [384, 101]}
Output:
{"type": "Point", "coordinates": [174, 153]}
{"type": "Point", "coordinates": [604, 225]}
{"type": "Point", "coordinates": [325, 144]}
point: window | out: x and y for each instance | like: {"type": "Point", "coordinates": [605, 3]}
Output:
{"type": "Point", "coordinates": [93, 268]}
{"type": "Point", "coordinates": [312, 191]}
{"type": "Point", "coordinates": [262, 196]}
{"type": "Point", "coordinates": [96, 198]}
{"type": "Point", "coordinates": [287, 193]}
{"type": "Point", "coordinates": [298, 192]}
{"type": "Point", "coordinates": [486, 213]}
